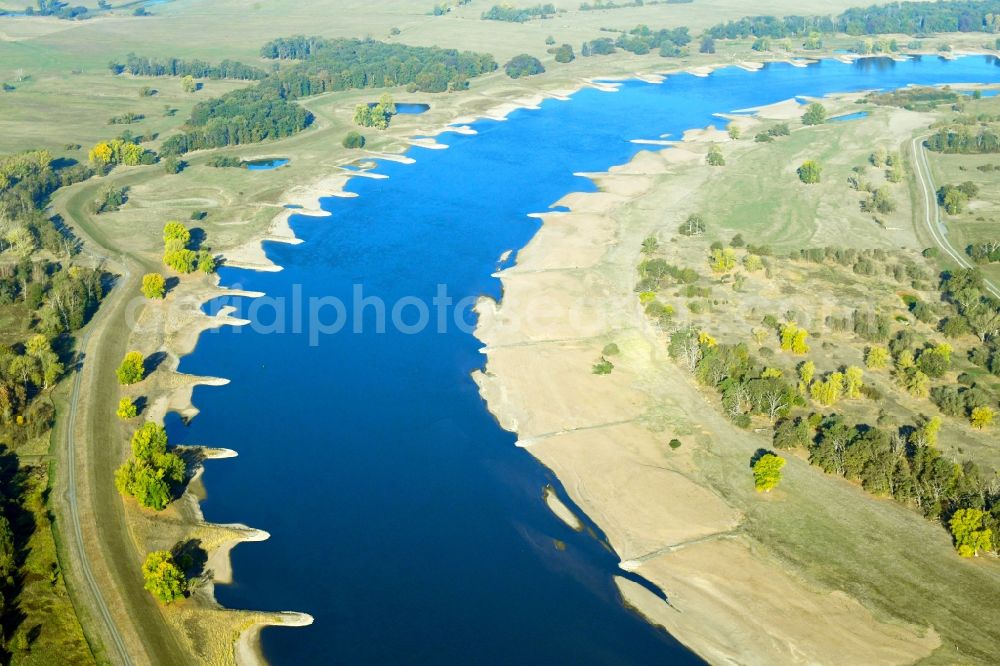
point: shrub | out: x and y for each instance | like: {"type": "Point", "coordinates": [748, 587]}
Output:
{"type": "Point", "coordinates": [132, 369]}
{"type": "Point", "coordinates": [354, 140]}
{"type": "Point", "coordinates": [603, 367]}
{"type": "Point", "coordinates": [810, 172]}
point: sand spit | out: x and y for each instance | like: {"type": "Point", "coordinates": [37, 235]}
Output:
{"type": "Point", "coordinates": [248, 651]}
{"type": "Point", "coordinates": [569, 294]}
{"type": "Point", "coordinates": [563, 512]}
{"type": "Point", "coordinates": [428, 143]}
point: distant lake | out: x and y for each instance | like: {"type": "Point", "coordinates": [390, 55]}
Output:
{"type": "Point", "coordinates": [401, 516]}
{"type": "Point", "coordinates": [407, 108]}
{"type": "Point", "coordinates": [857, 115]}
{"type": "Point", "coordinates": [266, 164]}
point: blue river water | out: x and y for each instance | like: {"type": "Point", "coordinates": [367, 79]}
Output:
{"type": "Point", "coordinates": [401, 516]}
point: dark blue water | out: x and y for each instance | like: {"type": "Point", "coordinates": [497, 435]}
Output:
{"type": "Point", "coordinates": [266, 164]}
{"type": "Point", "coordinates": [402, 517]}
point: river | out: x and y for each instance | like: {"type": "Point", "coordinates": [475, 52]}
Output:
{"type": "Point", "coordinates": [401, 516]}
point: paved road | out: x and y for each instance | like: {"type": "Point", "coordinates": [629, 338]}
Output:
{"type": "Point", "coordinates": [932, 211]}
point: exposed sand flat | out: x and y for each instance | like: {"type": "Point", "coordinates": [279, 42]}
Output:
{"type": "Point", "coordinates": [651, 78]}
{"type": "Point", "coordinates": [702, 71]}
{"type": "Point", "coordinates": [652, 142]}
{"type": "Point", "coordinates": [606, 438]}
{"type": "Point", "coordinates": [750, 66]}
{"type": "Point", "coordinates": [784, 110]}
{"type": "Point", "coordinates": [428, 143]}
{"type": "Point", "coordinates": [717, 583]}
{"type": "Point", "coordinates": [604, 85]}
{"type": "Point", "coordinates": [710, 134]}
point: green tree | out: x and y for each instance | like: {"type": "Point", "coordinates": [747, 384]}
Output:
{"type": "Point", "coordinates": [877, 357]}
{"type": "Point", "coordinates": [565, 54]}
{"type": "Point", "coordinates": [126, 409]}
{"type": "Point", "coordinates": [154, 285]}
{"type": "Point", "coordinates": [163, 578]}
{"type": "Point", "coordinates": [981, 417]}
{"type": "Point", "coordinates": [722, 260]}
{"type": "Point", "coordinates": [650, 246]}
{"type": "Point", "coordinates": [354, 140]}
{"type": "Point", "coordinates": [853, 382]}
{"type": "Point", "coordinates": [715, 157]}
{"type": "Point", "coordinates": [810, 172]}
{"type": "Point", "coordinates": [188, 84]}
{"type": "Point", "coordinates": [767, 472]}
{"type": "Point", "coordinates": [172, 165]}
{"type": "Point", "coordinates": [182, 260]}
{"type": "Point", "coordinates": [523, 65]}
{"type": "Point", "coordinates": [815, 114]}
{"type": "Point", "coordinates": [970, 533]}
{"type": "Point", "coordinates": [176, 232]}
{"type": "Point", "coordinates": [132, 369]}
{"type": "Point", "coordinates": [206, 261]}
{"type": "Point", "coordinates": [693, 226]}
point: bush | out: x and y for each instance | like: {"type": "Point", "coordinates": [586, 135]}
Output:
{"type": "Point", "coordinates": [675, 443]}
{"type": "Point", "coordinates": [132, 369]}
{"type": "Point", "coordinates": [603, 367]}
{"type": "Point", "coordinates": [610, 350]}
{"type": "Point", "coordinates": [172, 165]}
{"type": "Point", "coordinates": [810, 172]}
{"type": "Point", "coordinates": [354, 140]}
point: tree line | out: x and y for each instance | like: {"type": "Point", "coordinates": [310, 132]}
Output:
{"type": "Point", "coordinates": [45, 297]}
{"type": "Point", "coordinates": [911, 18]}
{"type": "Point", "coordinates": [518, 14]}
{"type": "Point", "coordinates": [146, 66]}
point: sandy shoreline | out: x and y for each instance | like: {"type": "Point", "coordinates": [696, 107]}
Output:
{"type": "Point", "coordinates": [594, 433]}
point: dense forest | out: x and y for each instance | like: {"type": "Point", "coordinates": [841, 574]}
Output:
{"type": "Point", "coordinates": [344, 64]}
{"type": "Point", "coordinates": [912, 18]}
{"type": "Point", "coordinates": [242, 116]}
{"type": "Point", "coordinates": [227, 69]}
{"type": "Point", "coordinates": [45, 297]}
